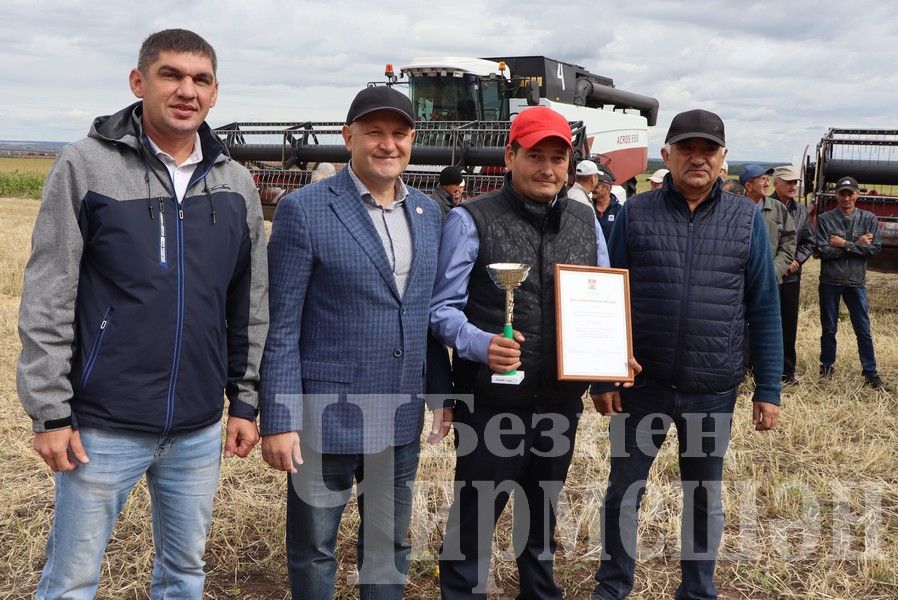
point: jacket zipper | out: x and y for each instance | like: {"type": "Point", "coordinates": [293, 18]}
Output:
{"type": "Point", "coordinates": [687, 278]}
{"type": "Point", "coordinates": [95, 349]}
{"type": "Point", "coordinates": [163, 261]}
{"type": "Point", "coordinates": [176, 355]}
{"type": "Point", "coordinates": [179, 323]}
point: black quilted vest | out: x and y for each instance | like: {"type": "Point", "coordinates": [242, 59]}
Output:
{"type": "Point", "coordinates": [518, 230]}
{"type": "Point", "coordinates": [687, 287]}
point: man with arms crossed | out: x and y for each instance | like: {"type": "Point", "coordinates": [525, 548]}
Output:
{"type": "Point", "coordinates": [846, 237]}
{"type": "Point", "coordinates": [144, 299]}
{"type": "Point", "coordinates": [700, 267]}
{"type": "Point", "coordinates": [353, 260]}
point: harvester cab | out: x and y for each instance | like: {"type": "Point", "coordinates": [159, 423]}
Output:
{"type": "Point", "coordinates": [496, 89]}
{"type": "Point", "coordinates": [464, 108]}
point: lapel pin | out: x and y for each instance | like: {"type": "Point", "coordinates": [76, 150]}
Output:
{"type": "Point", "coordinates": [419, 210]}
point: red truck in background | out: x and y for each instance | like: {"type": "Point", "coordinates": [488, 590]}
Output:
{"type": "Point", "coordinates": [871, 157]}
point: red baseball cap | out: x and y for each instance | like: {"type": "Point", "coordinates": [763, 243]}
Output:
{"type": "Point", "coordinates": [533, 125]}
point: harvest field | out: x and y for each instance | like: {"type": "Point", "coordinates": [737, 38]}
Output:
{"type": "Point", "coordinates": [23, 175]}
{"type": "Point", "coordinates": [812, 507]}
{"type": "Point", "coordinates": [26, 164]}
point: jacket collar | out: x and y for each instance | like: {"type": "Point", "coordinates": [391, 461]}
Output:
{"type": "Point", "coordinates": [125, 127]}
{"type": "Point", "coordinates": [790, 203]}
{"type": "Point", "coordinates": [347, 204]}
{"type": "Point", "coordinates": [674, 195]}
{"type": "Point", "coordinates": [443, 197]}
{"type": "Point", "coordinates": [542, 215]}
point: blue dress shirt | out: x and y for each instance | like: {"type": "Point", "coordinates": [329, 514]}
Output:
{"type": "Point", "coordinates": [459, 247]}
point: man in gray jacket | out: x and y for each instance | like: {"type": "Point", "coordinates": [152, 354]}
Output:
{"type": "Point", "coordinates": [780, 226]}
{"type": "Point", "coordinates": [846, 237]}
{"type": "Point", "coordinates": [785, 184]}
{"type": "Point", "coordinates": [144, 303]}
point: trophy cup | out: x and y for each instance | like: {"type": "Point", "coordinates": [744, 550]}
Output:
{"type": "Point", "coordinates": [508, 276]}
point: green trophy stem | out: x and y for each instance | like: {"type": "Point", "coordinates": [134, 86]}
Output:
{"type": "Point", "coordinates": [508, 330]}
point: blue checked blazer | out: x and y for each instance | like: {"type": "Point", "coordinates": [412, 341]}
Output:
{"type": "Point", "coordinates": [345, 358]}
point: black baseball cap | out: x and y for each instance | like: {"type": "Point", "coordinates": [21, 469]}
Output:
{"type": "Point", "coordinates": [847, 183]}
{"type": "Point", "coordinates": [451, 176]}
{"type": "Point", "coordinates": [606, 176]}
{"type": "Point", "coordinates": [696, 123]}
{"type": "Point", "coordinates": [380, 97]}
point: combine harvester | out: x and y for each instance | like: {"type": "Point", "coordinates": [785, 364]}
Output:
{"type": "Point", "coordinates": [871, 157]}
{"type": "Point", "coordinates": [464, 108]}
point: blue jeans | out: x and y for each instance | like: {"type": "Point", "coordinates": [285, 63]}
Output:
{"type": "Point", "coordinates": [703, 424]}
{"type": "Point", "coordinates": [182, 475]}
{"type": "Point", "coordinates": [316, 497]}
{"type": "Point", "coordinates": [859, 311]}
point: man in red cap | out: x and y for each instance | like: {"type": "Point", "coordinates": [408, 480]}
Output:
{"type": "Point", "coordinates": [520, 436]}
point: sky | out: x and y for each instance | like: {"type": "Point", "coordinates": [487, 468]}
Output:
{"type": "Point", "coordinates": [778, 73]}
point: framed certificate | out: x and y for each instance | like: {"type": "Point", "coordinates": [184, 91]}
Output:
{"type": "Point", "coordinates": [592, 323]}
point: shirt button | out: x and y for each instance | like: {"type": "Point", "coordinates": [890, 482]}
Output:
{"type": "Point", "coordinates": [402, 311]}
{"type": "Point", "coordinates": [397, 352]}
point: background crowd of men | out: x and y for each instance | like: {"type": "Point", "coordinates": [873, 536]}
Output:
{"type": "Point", "coordinates": [150, 295]}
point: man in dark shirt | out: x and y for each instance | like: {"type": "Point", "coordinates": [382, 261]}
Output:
{"type": "Point", "coordinates": [846, 237]}
{"type": "Point", "coordinates": [449, 194]}
{"type": "Point", "coordinates": [604, 202]}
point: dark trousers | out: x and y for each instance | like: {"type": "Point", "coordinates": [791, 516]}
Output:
{"type": "Point", "coordinates": [856, 301]}
{"type": "Point", "coordinates": [316, 497]}
{"type": "Point", "coordinates": [703, 424]}
{"type": "Point", "coordinates": [789, 292]}
{"type": "Point", "coordinates": [499, 451]}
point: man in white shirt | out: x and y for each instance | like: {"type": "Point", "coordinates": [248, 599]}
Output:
{"type": "Point", "coordinates": [144, 303]}
{"type": "Point", "coordinates": [587, 180]}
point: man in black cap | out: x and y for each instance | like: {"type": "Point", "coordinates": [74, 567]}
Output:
{"type": "Point", "coordinates": [604, 202]}
{"type": "Point", "coordinates": [452, 186]}
{"type": "Point", "coordinates": [700, 267]}
{"type": "Point", "coordinates": [353, 261]}
{"type": "Point", "coordinates": [845, 238]}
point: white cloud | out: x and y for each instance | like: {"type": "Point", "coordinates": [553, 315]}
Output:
{"type": "Point", "coordinates": [779, 73]}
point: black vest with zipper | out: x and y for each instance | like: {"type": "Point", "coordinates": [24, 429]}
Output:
{"type": "Point", "coordinates": [515, 229]}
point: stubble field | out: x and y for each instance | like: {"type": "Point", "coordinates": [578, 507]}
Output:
{"type": "Point", "coordinates": [812, 507]}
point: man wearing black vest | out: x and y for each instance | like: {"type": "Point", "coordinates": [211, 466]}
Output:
{"type": "Point", "coordinates": [511, 437]}
{"type": "Point", "coordinates": [700, 268]}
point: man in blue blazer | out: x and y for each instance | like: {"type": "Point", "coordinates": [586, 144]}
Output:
{"type": "Point", "coordinates": [353, 262]}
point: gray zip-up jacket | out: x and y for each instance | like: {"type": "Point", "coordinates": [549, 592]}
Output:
{"type": "Point", "coordinates": [781, 232]}
{"type": "Point", "coordinates": [140, 313]}
{"type": "Point", "coordinates": [848, 265]}
{"type": "Point", "coordinates": [804, 235]}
